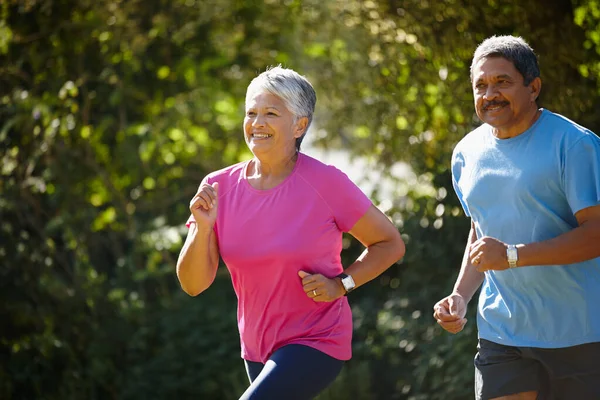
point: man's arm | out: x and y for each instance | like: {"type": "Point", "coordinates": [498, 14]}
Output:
{"type": "Point", "coordinates": [577, 245]}
{"type": "Point", "coordinates": [469, 279]}
{"type": "Point", "coordinates": [451, 310]}
{"type": "Point", "coordinates": [580, 244]}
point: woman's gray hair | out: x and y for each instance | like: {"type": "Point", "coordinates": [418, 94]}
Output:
{"type": "Point", "coordinates": [515, 50]}
{"type": "Point", "coordinates": [295, 90]}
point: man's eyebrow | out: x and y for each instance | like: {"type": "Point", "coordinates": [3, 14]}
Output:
{"type": "Point", "coordinates": [501, 76]}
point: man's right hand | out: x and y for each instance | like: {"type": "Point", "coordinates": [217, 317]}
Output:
{"type": "Point", "coordinates": [450, 313]}
{"type": "Point", "coordinates": [204, 205]}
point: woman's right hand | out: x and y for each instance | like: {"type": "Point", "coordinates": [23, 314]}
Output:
{"type": "Point", "coordinates": [204, 205]}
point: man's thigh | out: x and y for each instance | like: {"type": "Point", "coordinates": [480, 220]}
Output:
{"type": "Point", "coordinates": [574, 371]}
{"type": "Point", "coordinates": [504, 370]}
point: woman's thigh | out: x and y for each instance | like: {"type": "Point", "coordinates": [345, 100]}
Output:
{"type": "Point", "coordinates": [253, 369]}
{"type": "Point", "coordinates": [293, 372]}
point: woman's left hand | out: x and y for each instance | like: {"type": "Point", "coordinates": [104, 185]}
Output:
{"type": "Point", "coordinates": [320, 288]}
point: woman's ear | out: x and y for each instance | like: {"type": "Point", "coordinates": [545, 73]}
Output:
{"type": "Point", "coordinates": [300, 127]}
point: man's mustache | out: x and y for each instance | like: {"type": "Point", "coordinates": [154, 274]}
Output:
{"type": "Point", "coordinates": [494, 104]}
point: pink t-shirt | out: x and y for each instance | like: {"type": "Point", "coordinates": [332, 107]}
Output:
{"type": "Point", "coordinates": [266, 236]}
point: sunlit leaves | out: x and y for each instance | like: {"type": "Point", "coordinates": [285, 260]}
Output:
{"type": "Point", "coordinates": [149, 183]}
{"type": "Point", "coordinates": [113, 111]}
{"type": "Point", "coordinates": [316, 50]}
{"type": "Point", "coordinates": [587, 15]}
{"type": "Point", "coordinates": [5, 37]}
{"type": "Point", "coordinates": [163, 72]}
{"type": "Point", "coordinates": [401, 122]}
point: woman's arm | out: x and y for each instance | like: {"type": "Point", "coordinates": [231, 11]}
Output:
{"type": "Point", "coordinates": [199, 258]}
{"type": "Point", "coordinates": [384, 246]}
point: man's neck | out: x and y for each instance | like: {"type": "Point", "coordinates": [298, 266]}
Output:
{"type": "Point", "coordinates": [519, 128]}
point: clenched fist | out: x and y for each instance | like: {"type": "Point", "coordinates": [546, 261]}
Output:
{"type": "Point", "coordinates": [320, 288]}
{"type": "Point", "coordinates": [204, 205]}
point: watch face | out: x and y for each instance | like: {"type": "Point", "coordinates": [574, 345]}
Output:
{"type": "Point", "coordinates": [348, 282]}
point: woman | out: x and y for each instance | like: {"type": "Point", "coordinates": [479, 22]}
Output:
{"type": "Point", "coordinates": [277, 222]}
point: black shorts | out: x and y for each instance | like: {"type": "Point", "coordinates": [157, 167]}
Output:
{"type": "Point", "coordinates": [557, 374]}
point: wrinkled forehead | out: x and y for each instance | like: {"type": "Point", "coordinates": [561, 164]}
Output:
{"type": "Point", "coordinates": [254, 87]}
{"type": "Point", "coordinates": [493, 66]}
{"type": "Point", "coordinates": [264, 99]}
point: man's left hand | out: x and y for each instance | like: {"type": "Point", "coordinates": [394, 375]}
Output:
{"type": "Point", "coordinates": [488, 253]}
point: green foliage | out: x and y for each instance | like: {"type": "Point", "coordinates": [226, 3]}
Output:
{"type": "Point", "coordinates": [112, 111]}
{"type": "Point", "coordinates": [587, 15]}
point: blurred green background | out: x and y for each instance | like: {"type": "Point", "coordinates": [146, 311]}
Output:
{"type": "Point", "coordinates": [112, 111]}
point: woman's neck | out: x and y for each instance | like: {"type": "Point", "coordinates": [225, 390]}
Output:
{"type": "Point", "coordinates": [266, 174]}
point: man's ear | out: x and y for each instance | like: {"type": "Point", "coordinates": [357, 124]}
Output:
{"type": "Point", "coordinates": [536, 87]}
{"type": "Point", "coordinates": [300, 127]}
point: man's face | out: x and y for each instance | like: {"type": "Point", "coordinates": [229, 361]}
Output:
{"type": "Point", "coordinates": [501, 99]}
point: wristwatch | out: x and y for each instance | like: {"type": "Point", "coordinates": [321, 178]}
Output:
{"type": "Point", "coordinates": [512, 255]}
{"type": "Point", "coordinates": [347, 282]}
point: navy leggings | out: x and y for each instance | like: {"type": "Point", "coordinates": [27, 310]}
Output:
{"type": "Point", "coordinates": [294, 372]}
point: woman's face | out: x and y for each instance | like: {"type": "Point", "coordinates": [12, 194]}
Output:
{"type": "Point", "coordinates": [269, 127]}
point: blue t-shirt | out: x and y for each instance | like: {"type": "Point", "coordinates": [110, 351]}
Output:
{"type": "Point", "coordinates": [527, 189]}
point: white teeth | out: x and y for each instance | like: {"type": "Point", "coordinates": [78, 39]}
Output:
{"type": "Point", "coordinates": [260, 135]}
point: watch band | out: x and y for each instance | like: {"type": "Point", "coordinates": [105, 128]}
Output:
{"type": "Point", "coordinates": [512, 255]}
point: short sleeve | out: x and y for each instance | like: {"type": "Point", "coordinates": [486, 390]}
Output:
{"type": "Point", "coordinates": [581, 173]}
{"type": "Point", "coordinates": [458, 164]}
{"type": "Point", "coordinates": [347, 202]}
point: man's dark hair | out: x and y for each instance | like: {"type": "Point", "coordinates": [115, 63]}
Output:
{"type": "Point", "coordinates": [515, 50]}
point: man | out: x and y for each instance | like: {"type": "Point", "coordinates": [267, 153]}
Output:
{"type": "Point", "coordinates": [529, 180]}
